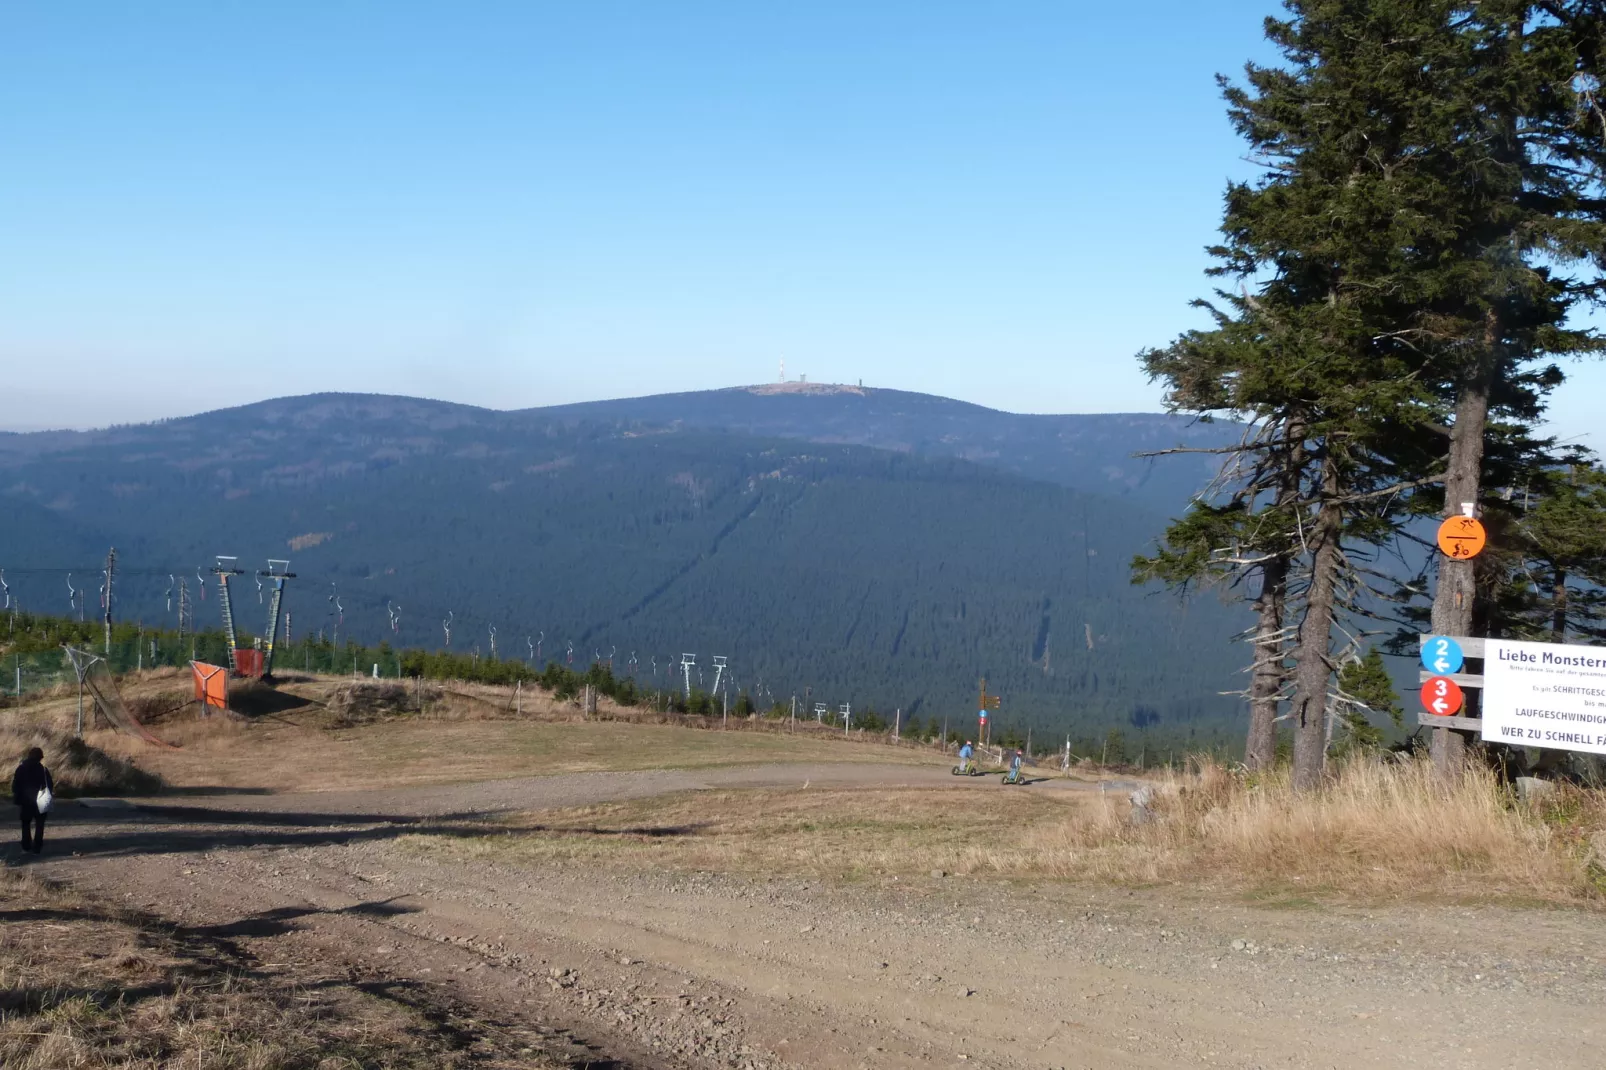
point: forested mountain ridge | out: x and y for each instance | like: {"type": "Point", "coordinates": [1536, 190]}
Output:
{"type": "Point", "coordinates": [1093, 452]}
{"type": "Point", "coordinates": [872, 576]}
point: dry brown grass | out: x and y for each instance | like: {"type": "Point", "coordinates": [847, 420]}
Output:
{"type": "Point", "coordinates": [84, 986]}
{"type": "Point", "coordinates": [317, 733]}
{"type": "Point", "coordinates": [820, 832]}
{"type": "Point", "coordinates": [78, 767]}
{"type": "Point", "coordinates": [282, 755]}
{"type": "Point", "coordinates": [1376, 831]}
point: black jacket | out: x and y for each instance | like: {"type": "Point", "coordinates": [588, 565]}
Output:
{"type": "Point", "coordinates": [30, 777]}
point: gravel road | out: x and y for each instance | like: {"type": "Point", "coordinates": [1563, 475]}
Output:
{"type": "Point", "coordinates": [663, 969]}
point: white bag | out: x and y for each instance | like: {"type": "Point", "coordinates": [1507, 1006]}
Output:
{"type": "Point", "coordinates": [43, 800]}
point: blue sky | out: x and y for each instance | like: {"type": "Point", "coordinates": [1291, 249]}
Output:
{"type": "Point", "coordinates": [517, 204]}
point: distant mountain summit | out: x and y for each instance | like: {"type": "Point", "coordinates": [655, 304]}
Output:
{"type": "Point", "coordinates": [801, 386]}
{"type": "Point", "coordinates": [1093, 452]}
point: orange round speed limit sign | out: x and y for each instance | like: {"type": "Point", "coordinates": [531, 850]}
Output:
{"type": "Point", "coordinates": [1462, 537]}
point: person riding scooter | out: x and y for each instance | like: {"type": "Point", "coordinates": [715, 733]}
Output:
{"type": "Point", "coordinates": [1013, 776]}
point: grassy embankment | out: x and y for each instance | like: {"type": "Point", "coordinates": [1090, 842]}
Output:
{"type": "Point", "coordinates": [326, 733]}
{"type": "Point", "coordinates": [77, 766]}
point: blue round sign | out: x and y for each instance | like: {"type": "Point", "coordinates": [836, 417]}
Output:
{"type": "Point", "coordinates": [1441, 654]}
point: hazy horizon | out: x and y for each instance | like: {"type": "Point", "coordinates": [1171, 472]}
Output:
{"type": "Point", "coordinates": [5, 429]}
{"type": "Point", "coordinates": [532, 205]}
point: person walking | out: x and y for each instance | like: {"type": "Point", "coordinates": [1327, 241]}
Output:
{"type": "Point", "coordinates": [31, 781]}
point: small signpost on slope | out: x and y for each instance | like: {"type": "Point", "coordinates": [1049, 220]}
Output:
{"type": "Point", "coordinates": [1533, 694]}
{"type": "Point", "coordinates": [983, 706]}
{"type": "Point", "coordinates": [1461, 538]}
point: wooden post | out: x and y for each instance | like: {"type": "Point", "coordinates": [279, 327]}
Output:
{"type": "Point", "coordinates": [1463, 483]}
{"type": "Point", "coordinates": [1452, 615]}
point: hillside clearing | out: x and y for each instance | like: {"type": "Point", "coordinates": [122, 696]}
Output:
{"type": "Point", "coordinates": [325, 733]}
{"type": "Point", "coordinates": [277, 756]}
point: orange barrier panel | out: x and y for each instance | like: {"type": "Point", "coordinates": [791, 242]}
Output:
{"type": "Point", "coordinates": [247, 662]}
{"type": "Point", "coordinates": [211, 684]}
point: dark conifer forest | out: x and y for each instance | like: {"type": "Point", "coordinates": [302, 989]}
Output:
{"type": "Point", "coordinates": [891, 574]}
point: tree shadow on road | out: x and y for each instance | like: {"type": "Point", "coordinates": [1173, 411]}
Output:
{"type": "Point", "coordinates": [166, 830]}
{"type": "Point", "coordinates": [281, 920]}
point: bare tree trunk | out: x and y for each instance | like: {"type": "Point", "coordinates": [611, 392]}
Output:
{"type": "Point", "coordinates": [1266, 681]}
{"type": "Point", "coordinates": [1457, 590]}
{"type": "Point", "coordinates": [1270, 670]}
{"type": "Point", "coordinates": [1313, 670]}
{"type": "Point", "coordinates": [1558, 606]}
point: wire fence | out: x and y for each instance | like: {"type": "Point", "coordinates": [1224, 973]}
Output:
{"type": "Point", "coordinates": [30, 674]}
{"type": "Point", "coordinates": [27, 674]}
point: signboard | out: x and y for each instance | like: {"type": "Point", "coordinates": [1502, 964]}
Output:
{"type": "Point", "coordinates": [1545, 695]}
{"type": "Point", "coordinates": [1442, 696]}
{"type": "Point", "coordinates": [1462, 537]}
{"type": "Point", "coordinates": [1441, 654]}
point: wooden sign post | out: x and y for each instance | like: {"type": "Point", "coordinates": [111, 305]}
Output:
{"type": "Point", "coordinates": [1461, 538]}
{"type": "Point", "coordinates": [985, 704]}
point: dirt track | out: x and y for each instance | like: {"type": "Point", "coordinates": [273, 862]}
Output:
{"type": "Point", "coordinates": [702, 970]}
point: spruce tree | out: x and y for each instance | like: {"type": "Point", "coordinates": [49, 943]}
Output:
{"type": "Point", "coordinates": [1545, 577]}
{"type": "Point", "coordinates": [1311, 355]}
{"type": "Point", "coordinates": [1428, 216]}
{"type": "Point", "coordinates": [1520, 152]}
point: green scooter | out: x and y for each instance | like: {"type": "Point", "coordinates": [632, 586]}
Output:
{"type": "Point", "coordinates": [1016, 773]}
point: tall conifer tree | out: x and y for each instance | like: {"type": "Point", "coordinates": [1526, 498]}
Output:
{"type": "Point", "coordinates": [1429, 166]}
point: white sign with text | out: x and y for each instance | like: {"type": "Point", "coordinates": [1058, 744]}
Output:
{"type": "Point", "coordinates": [1544, 695]}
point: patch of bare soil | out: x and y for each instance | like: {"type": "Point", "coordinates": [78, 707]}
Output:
{"type": "Point", "coordinates": [668, 965]}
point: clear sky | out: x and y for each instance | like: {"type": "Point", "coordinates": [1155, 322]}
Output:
{"type": "Point", "coordinates": [529, 203]}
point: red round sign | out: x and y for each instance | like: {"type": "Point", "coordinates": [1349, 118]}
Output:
{"type": "Point", "coordinates": [1442, 695]}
